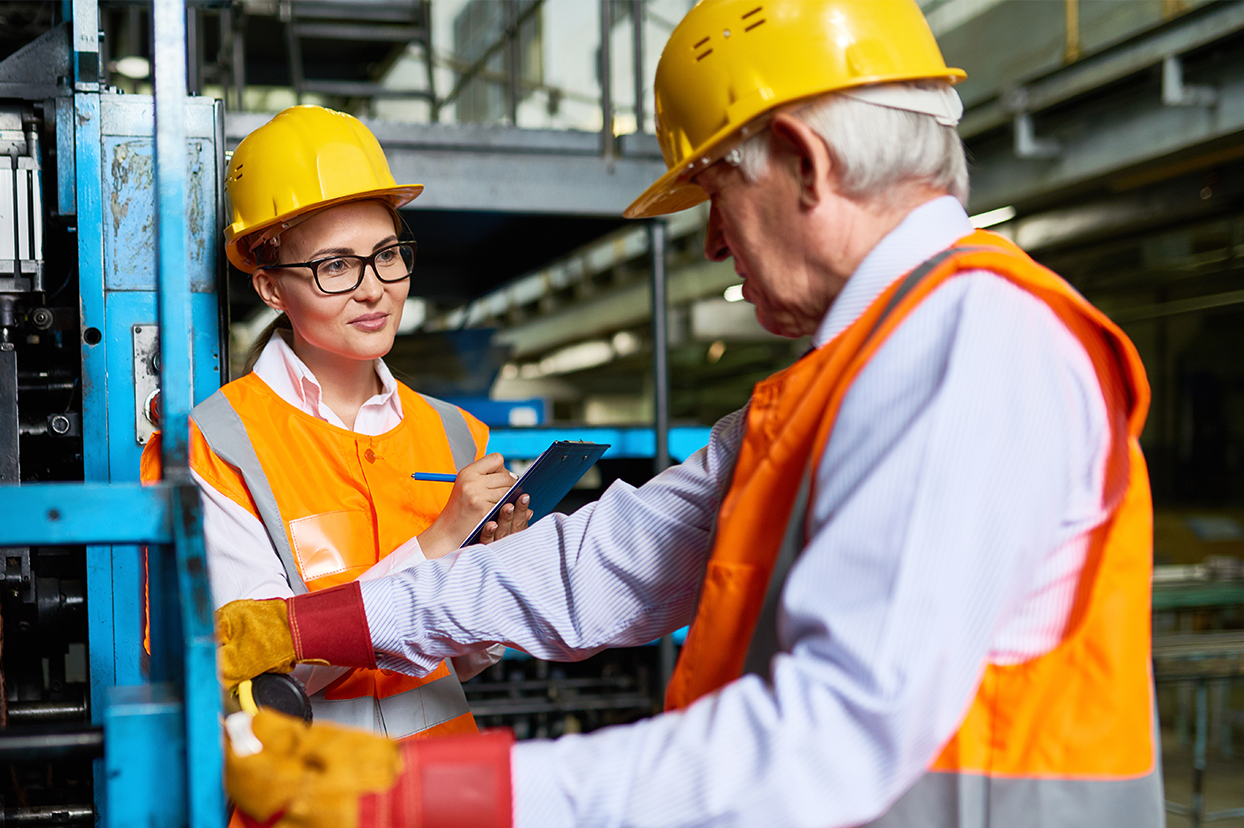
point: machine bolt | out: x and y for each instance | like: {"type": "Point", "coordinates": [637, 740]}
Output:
{"type": "Point", "coordinates": [59, 424]}
{"type": "Point", "coordinates": [41, 318]}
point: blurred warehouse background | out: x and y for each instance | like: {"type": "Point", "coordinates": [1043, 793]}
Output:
{"type": "Point", "coordinates": [1105, 136]}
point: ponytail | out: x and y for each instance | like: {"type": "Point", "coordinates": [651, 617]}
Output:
{"type": "Point", "coordinates": [281, 323]}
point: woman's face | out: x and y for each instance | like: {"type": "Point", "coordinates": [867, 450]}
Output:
{"type": "Point", "coordinates": [359, 325]}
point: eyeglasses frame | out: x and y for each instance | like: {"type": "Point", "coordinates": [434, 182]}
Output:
{"type": "Point", "coordinates": [314, 267]}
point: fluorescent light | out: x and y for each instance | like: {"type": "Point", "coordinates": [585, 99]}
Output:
{"type": "Point", "coordinates": [625, 343]}
{"type": "Point", "coordinates": [576, 358]}
{"type": "Point", "coordinates": [991, 217]}
{"type": "Point", "coordinates": [734, 293]}
{"type": "Point", "coordinates": [133, 67]}
{"type": "Point", "coordinates": [414, 314]}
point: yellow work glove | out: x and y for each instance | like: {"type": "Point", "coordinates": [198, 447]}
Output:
{"type": "Point", "coordinates": [254, 638]}
{"type": "Point", "coordinates": [312, 776]}
{"type": "Point", "coordinates": [324, 627]}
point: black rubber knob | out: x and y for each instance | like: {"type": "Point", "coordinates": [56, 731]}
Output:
{"type": "Point", "coordinates": [283, 693]}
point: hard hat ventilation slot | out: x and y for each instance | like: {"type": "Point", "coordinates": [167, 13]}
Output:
{"type": "Point", "coordinates": [754, 25]}
{"type": "Point", "coordinates": [702, 56]}
{"type": "Point", "coordinates": [701, 43]}
{"type": "Point", "coordinates": [753, 13]}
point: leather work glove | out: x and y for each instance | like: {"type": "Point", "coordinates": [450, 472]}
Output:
{"type": "Point", "coordinates": [282, 773]}
{"type": "Point", "coordinates": [271, 636]}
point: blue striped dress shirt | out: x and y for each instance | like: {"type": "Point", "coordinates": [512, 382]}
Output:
{"type": "Point", "coordinates": [946, 530]}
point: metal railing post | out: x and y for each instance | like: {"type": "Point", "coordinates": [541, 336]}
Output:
{"type": "Point", "coordinates": [512, 61]}
{"type": "Point", "coordinates": [660, 391]}
{"type": "Point", "coordinates": [637, 13]}
{"type": "Point", "coordinates": [606, 81]}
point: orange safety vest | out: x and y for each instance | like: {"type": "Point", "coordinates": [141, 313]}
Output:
{"type": "Point", "coordinates": [1066, 738]}
{"type": "Point", "coordinates": [334, 503]}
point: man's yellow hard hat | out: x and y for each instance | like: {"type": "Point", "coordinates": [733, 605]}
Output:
{"type": "Point", "coordinates": [730, 61]}
{"type": "Point", "coordinates": [306, 158]}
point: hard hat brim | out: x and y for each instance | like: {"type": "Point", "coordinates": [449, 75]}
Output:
{"type": "Point", "coordinates": [398, 196]}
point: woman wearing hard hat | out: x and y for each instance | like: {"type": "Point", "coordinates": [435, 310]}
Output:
{"type": "Point", "coordinates": [305, 463]}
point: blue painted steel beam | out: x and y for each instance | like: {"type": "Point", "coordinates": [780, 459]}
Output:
{"type": "Point", "coordinates": [144, 752]}
{"type": "Point", "coordinates": [79, 513]}
{"type": "Point", "coordinates": [173, 296]}
{"type": "Point", "coordinates": [203, 755]}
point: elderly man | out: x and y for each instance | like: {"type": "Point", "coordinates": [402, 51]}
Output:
{"type": "Point", "coordinates": [916, 563]}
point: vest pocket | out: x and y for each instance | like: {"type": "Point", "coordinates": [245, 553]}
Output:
{"type": "Point", "coordinates": [332, 542]}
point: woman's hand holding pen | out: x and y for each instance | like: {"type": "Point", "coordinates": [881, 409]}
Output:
{"type": "Point", "coordinates": [476, 490]}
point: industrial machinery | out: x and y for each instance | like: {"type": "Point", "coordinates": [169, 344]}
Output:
{"type": "Point", "coordinates": [108, 283]}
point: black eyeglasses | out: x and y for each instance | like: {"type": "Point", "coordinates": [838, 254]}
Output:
{"type": "Point", "coordinates": [342, 274]}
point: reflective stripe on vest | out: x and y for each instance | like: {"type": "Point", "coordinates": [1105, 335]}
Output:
{"type": "Point", "coordinates": [225, 434]}
{"type": "Point", "coordinates": [323, 529]}
{"type": "Point", "coordinates": [764, 644]}
{"type": "Point", "coordinates": [1067, 738]}
{"type": "Point", "coordinates": [972, 800]}
{"type": "Point", "coordinates": [405, 714]}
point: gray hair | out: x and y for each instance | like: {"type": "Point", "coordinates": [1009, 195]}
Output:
{"type": "Point", "coordinates": [876, 148]}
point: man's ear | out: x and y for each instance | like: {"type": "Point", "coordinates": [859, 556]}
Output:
{"type": "Point", "coordinates": [269, 289]}
{"type": "Point", "coordinates": [805, 154]}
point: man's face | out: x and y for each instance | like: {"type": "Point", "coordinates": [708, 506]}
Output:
{"type": "Point", "coordinates": [762, 226]}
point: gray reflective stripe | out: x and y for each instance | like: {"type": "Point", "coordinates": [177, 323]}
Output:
{"type": "Point", "coordinates": [423, 707]}
{"type": "Point", "coordinates": [764, 643]}
{"type": "Point", "coordinates": [401, 715]}
{"type": "Point", "coordinates": [360, 712]}
{"type": "Point", "coordinates": [967, 800]}
{"type": "Point", "coordinates": [461, 440]}
{"type": "Point", "coordinates": [764, 637]}
{"type": "Point", "coordinates": [226, 435]}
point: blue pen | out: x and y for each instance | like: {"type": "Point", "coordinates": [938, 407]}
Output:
{"type": "Point", "coordinates": [434, 477]}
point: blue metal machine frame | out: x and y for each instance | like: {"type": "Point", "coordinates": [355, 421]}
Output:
{"type": "Point", "coordinates": [160, 714]}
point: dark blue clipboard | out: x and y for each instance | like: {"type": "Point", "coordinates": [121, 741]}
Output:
{"type": "Point", "coordinates": [547, 480]}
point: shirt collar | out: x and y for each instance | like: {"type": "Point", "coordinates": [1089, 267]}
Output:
{"type": "Point", "coordinates": [928, 229]}
{"type": "Point", "coordinates": [292, 380]}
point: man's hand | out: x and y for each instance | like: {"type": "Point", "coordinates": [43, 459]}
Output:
{"type": "Point", "coordinates": [254, 638]}
{"type": "Point", "coordinates": [282, 773]}
{"type": "Point", "coordinates": [312, 776]}
{"type": "Point", "coordinates": [324, 627]}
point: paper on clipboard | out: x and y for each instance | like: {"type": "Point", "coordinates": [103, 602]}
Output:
{"type": "Point", "coordinates": [547, 480]}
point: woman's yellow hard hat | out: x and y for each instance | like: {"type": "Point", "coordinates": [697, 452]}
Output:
{"type": "Point", "coordinates": [306, 158]}
{"type": "Point", "coordinates": [731, 61]}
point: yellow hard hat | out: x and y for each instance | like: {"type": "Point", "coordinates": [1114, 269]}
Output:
{"type": "Point", "coordinates": [306, 158]}
{"type": "Point", "coordinates": [730, 61]}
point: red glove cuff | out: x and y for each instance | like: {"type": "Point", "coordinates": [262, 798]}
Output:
{"type": "Point", "coordinates": [450, 782]}
{"type": "Point", "coordinates": [331, 625]}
